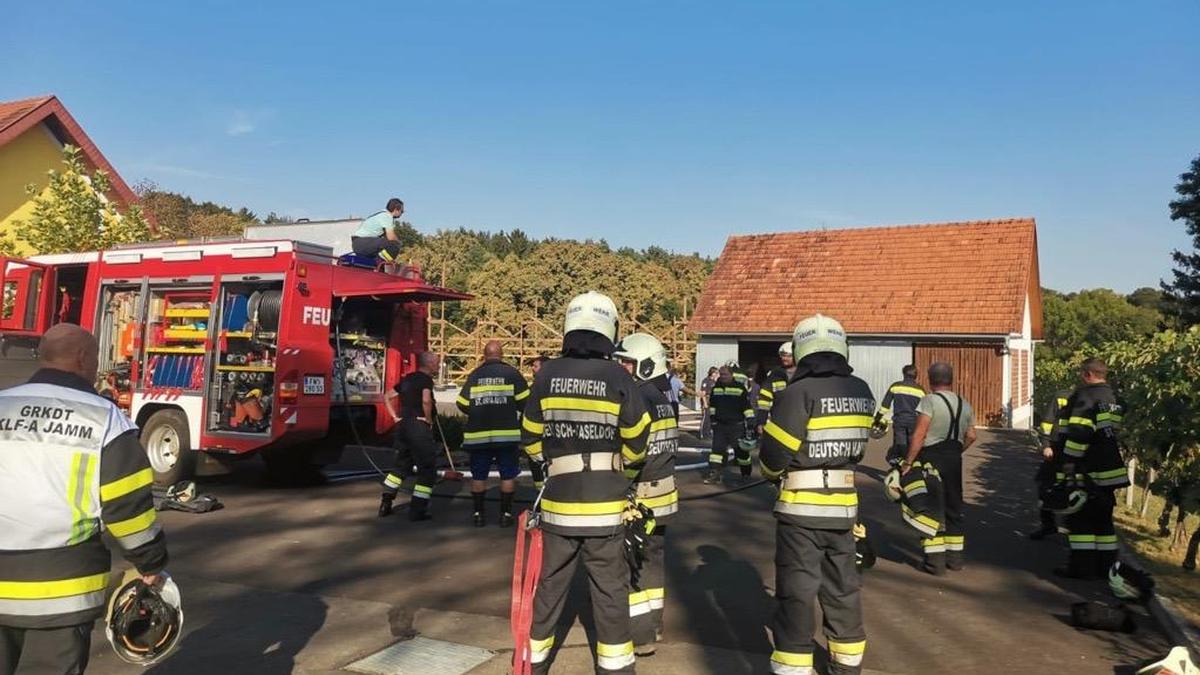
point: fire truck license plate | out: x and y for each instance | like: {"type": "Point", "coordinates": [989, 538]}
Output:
{"type": "Point", "coordinates": [314, 385]}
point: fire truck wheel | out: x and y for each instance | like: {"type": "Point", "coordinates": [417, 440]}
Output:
{"type": "Point", "coordinates": [165, 437]}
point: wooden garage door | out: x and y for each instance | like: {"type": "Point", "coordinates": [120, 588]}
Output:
{"type": "Point", "coordinates": [978, 376]}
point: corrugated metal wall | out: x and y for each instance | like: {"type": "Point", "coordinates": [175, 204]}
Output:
{"type": "Point", "coordinates": [879, 362]}
{"type": "Point", "coordinates": [978, 375]}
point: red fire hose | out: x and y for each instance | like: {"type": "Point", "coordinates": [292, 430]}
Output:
{"type": "Point", "coordinates": [527, 569]}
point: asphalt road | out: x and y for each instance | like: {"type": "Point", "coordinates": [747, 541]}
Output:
{"type": "Point", "coordinates": [309, 579]}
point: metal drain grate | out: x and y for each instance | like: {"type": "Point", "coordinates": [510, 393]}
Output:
{"type": "Point", "coordinates": [422, 656]}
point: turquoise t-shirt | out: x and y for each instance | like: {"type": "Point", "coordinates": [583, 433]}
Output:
{"type": "Point", "coordinates": [375, 225]}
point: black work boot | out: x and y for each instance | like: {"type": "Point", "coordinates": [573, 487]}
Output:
{"type": "Point", "coordinates": [477, 497]}
{"type": "Point", "coordinates": [385, 504]}
{"type": "Point", "coordinates": [713, 476]}
{"type": "Point", "coordinates": [418, 509]}
{"type": "Point", "coordinates": [506, 508]}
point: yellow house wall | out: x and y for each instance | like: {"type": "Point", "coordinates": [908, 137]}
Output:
{"type": "Point", "coordinates": [25, 160]}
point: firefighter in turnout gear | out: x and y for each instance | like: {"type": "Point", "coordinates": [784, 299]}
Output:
{"type": "Point", "coordinates": [71, 466]}
{"type": "Point", "coordinates": [729, 409]}
{"type": "Point", "coordinates": [900, 402]}
{"type": "Point", "coordinates": [587, 420]}
{"type": "Point", "coordinates": [1045, 476]}
{"type": "Point", "coordinates": [816, 434]}
{"type": "Point", "coordinates": [492, 399]}
{"type": "Point", "coordinates": [1086, 445]}
{"type": "Point", "coordinates": [777, 381]}
{"type": "Point", "coordinates": [645, 358]}
{"type": "Point", "coordinates": [416, 447]}
{"type": "Point", "coordinates": [738, 373]}
{"type": "Point", "coordinates": [945, 429]}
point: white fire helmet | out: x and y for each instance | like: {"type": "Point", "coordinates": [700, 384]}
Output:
{"type": "Point", "coordinates": [785, 349]}
{"type": "Point", "coordinates": [819, 333]}
{"type": "Point", "coordinates": [592, 311]}
{"type": "Point", "coordinates": [143, 623]}
{"type": "Point", "coordinates": [646, 352]}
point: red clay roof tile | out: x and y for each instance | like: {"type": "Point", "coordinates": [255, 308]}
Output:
{"type": "Point", "coordinates": [951, 278]}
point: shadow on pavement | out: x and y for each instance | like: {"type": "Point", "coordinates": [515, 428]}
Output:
{"type": "Point", "coordinates": [251, 632]}
{"type": "Point", "coordinates": [1002, 505]}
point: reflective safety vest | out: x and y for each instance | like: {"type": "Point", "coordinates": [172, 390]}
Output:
{"type": "Point", "coordinates": [587, 420]}
{"type": "Point", "coordinates": [901, 402]}
{"type": "Point", "coordinates": [656, 480]}
{"type": "Point", "coordinates": [729, 403]}
{"type": "Point", "coordinates": [816, 434]}
{"type": "Point", "coordinates": [777, 381]}
{"type": "Point", "coordinates": [71, 466]}
{"type": "Point", "coordinates": [1046, 430]}
{"type": "Point", "coordinates": [1086, 435]}
{"type": "Point", "coordinates": [492, 399]}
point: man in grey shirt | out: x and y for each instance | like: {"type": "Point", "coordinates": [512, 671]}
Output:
{"type": "Point", "coordinates": [945, 429]}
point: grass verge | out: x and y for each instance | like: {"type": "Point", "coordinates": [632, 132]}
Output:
{"type": "Point", "coordinates": [1141, 537]}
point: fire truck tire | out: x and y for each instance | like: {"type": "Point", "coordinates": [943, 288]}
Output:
{"type": "Point", "coordinates": [168, 445]}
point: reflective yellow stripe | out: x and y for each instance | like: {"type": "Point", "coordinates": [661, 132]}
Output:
{"type": "Point", "coordinates": [659, 502]}
{"type": "Point", "coordinates": [61, 588]}
{"type": "Point", "coordinates": [1081, 421]}
{"type": "Point", "coordinates": [819, 498]}
{"type": "Point", "coordinates": [914, 486]}
{"type": "Point", "coordinates": [474, 435]}
{"type": "Point", "coordinates": [1047, 427]}
{"type": "Point", "coordinates": [123, 486]}
{"type": "Point", "coordinates": [541, 645]}
{"type": "Point", "coordinates": [583, 508]}
{"type": "Point", "coordinates": [124, 528]}
{"type": "Point", "coordinates": [77, 514]}
{"type": "Point", "coordinates": [568, 403]}
{"type": "Point", "coordinates": [491, 388]}
{"type": "Point", "coordinates": [847, 647]}
{"type": "Point", "coordinates": [1111, 473]}
{"type": "Point", "coordinates": [635, 430]}
{"type": "Point", "coordinates": [908, 391]}
{"type": "Point", "coordinates": [533, 427]}
{"type": "Point", "coordinates": [534, 449]}
{"type": "Point", "coordinates": [464, 402]}
{"type": "Point", "coordinates": [522, 396]}
{"type": "Point", "coordinates": [624, 649]}
{"type": "Point", "coordinates": [840, 422]}
{"type": "Point", "coordinates": [631, 455]}
{"type": "Point", "coordinates": [779, 434]}
{"type": "Point", "coordinates": [792, 659]}
{"type": "Point", "coordinates": [768, 471]}
{"type": "Point", "coordinates": [668, 423]}
{"type": "Point", "coordinates": [656, 593]}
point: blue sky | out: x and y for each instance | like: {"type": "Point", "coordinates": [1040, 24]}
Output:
{"type": "Point", "coordinates": [664, 123]}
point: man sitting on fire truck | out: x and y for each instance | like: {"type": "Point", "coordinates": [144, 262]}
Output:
{"type": "Point", "coordinates": [376, 234]}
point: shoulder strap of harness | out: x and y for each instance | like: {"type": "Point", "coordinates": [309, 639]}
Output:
{"type": "Point", "coordinates": [955, 416]}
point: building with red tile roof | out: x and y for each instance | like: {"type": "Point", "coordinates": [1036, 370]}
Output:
{"type": "Point", "coordinates": [967, 293]}
{"type": "Point", "coordinates": [32, 134]}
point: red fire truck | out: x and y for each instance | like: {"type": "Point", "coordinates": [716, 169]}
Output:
{"type": "Point", "coordinates": [224, 348]}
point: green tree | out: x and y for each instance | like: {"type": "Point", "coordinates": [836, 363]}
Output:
{"type": "Point", "coordinates": [1147, 298]}
{"type": "Point", "coordinates": [1076, 326]}
{"type": "Point", "coordinates": [73, 213]}
{"type": "Point", "coordinates": [1090, 318]}
{"type": "Point", "coordinates": [1183, 294]}
{"type": "Point", "coordinates": [178, 216]}
{"type": "Point", "coordinates": [1158, 378]}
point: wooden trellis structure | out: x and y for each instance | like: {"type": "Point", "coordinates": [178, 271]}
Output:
{"type": "Point", "coordinates": [462, 349]}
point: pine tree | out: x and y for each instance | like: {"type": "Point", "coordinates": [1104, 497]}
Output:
{"type": "Point", "coordinates": [1183, 295]}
